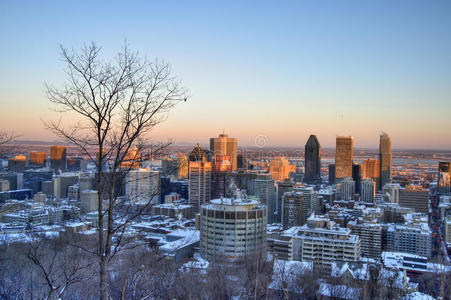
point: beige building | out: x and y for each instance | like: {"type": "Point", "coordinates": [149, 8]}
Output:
{"type": "Point", "coordinates": [223, 145]}
{"type": "Point", "coordinates": [199, 183]}
{"type": "Point", "coordinates": [344, 153]}
{"type": "Point", "coordinates": [280, 168]}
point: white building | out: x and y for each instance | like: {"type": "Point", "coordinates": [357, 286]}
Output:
{"type": "Point", "coordinates": [347, 189]}
{"type": "Point", "coordinates": [232, 227]}
{"type": "Point", "coordinates": [390, 192]}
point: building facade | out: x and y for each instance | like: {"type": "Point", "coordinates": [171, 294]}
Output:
{"type": "Point", "coordinates": [232, 228]}
{"type": "Point", "coordinates": [312, 160]}
{"type": "Point", "coordinates": [344, 154]}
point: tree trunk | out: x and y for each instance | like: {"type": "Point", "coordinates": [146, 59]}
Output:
{"type": "Point", "coordinates": [104, 289]}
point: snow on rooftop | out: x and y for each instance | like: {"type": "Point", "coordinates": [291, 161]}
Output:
{"type": "Point", "coordinates": [233, 201]}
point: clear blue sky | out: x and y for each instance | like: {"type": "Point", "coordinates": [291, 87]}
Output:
{"type": "Point", "coordinates": [276, 68]}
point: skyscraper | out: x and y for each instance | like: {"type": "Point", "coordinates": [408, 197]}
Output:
{"type": "Point", "coordinates": [368, 191]}
{"type": "Point", "coordinates": [199, 183]}
{"type": "Point", "coordinates": [58, 158]}
{"type": "Point", "coordinates": [265, 190]}
{"type": "Point", "coordinates": [223, 145]}
{"type": "Point", "coordinates": [312, 160]}
{"type": "Point", "coordinates": [385, 158]}
{"type": "Point", "coordinates": [344, 153]}
{"type": "Point", "coordinates": [280, 168]}
{"type": "Point", "coordinates": [444, 177]}
{"type": "Point", "coordinates": [37, 159]}
{"type": "Point", "coordinates": [371, 169]}
{"type": "Point", "coordinates": [347, 189]}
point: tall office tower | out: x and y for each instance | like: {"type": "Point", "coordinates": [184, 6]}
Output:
{"type": "Point", "coordinates": [356, 176]}
{"type": "Point", "coordinates": [332, 174]}
{"type": "Point", "coordinates": [312, 160]}
{"type": "Point", "coordinates": [390, 192]}
{"type": "Point", "coordinates": [344, 153]}
{"type": "Point", "coordinates": [444, 177]}
{"type": "Point", "coordinates": [295, 211]}
{"type": "Point", "coordinates": [347, 189]}
{"type": "Point", "coordinates": [282, 188]}
{"type": "Point", "coordinates": [142, 185]}
{"type": "Point", "coordinates": [413, 198]}
{"type": "Point", "coordinates": [371, 169]}
{"type": "Point", "coordinates": [197, 154]}
{"type": "Point", "coordinates": [223, 167]}
{"type": "Point", "coordinates": [58, 158]}
{"type": "Point", "coordinates": [89, 201]}
{"type": "Point", "coordinates": [242, 161]}
{"type": "Point", "coordinates": [62, 182]}
{"type": "Point", "coordinates": [265, 190]}
{"type": "Point", "coordinates": [223, 145]}
{"type": "Point", "coordinates": [38, 159]}
{"type": "Point", "coordinates": [223, 229]}
{"type": "Point", "coordinates": [385, 158]}
{"type": "Point", "coordinates": [280, 168]}
{"type": "Point", "coordinates": [17, 163]}
{"type": "Point", "coordinates": [312, 201]}
{"type": "Point", "coordinates": [368, 191]}
{"type": "Point", "coordinates": [199, 183]}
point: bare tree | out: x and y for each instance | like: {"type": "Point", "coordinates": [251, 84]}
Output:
{"type": "Point", "coordinates": [5, 138]}
{"type": "Point", "coordinates": [116, 104]}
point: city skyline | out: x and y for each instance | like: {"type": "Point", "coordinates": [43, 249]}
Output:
{"type": "Point", "coordinates": [281, 71]}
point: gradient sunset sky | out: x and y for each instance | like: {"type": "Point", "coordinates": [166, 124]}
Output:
{"type": "Point", "coordinates": [282, 69]}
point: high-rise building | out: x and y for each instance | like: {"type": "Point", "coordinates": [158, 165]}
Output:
{"type": "Point", "coordinates": [89, 201]}
{"type": "Point", "coordinates": [76, 163]}
{"type": "Point", "coordinates": [242, 161]}
{"type": "Point", "coordinates": [370, 238]}
{"type": "Point", "coordinates": [312, 160]}
{"type": "Point", "coordinates": [313, 202]}
{"type": "Point", "coordinates": [142, 185]}
{"type": "Point", "coordinates": [295, 210]}
{"type": "Point", "coordinates": [367, 191]}
{"type": "Point", "coordinates": [280, 168]}
{"type": "Point", "coordinates": [322, 242]}
{"type": "Point", "coordinates": [199, 183]}
{"type": "Point", "coordinates": [444, 177]}
{"type": "Point", "coordinates": [385, 159]}
{"type": "Point", "coordinates": [282, 188]}
{"type": "Point", "coordinates": [347, 189]}
{"type": "Point", "coordinates": [413, 198]}
{"type": "Point", "coordinates": [38, 159]}
{"type": "Point", "coordinates": [356, 176]}
{"type": "Point", "coordinates": [265, 190]}
{"type": "Point", "coordinates": [390, 192]}
{"type": "Point", "coordinates": [332, 174]}
{"type": "Point", "coordinates": [58, 158]}
{"type": "Point", "coordinates": [409, 238]}
{"type": "Point", "coordinates": [371, 169]}
{"type": "Point", "coordinates": [232, 227]}
{"type": "Point", "coordinates": [17, 163]}
{"type": "Point", "coordinates": [223, 167]}
{"type": "Point", "coordinates": [344, 153]}
{"type": "Point", "coordinates": [223, 145]}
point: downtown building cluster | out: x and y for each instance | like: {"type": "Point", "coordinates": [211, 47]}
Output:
{"type": "Point", "coordinates": [221, 202]}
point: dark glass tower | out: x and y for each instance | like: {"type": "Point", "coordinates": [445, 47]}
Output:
{"type": "Point", "coordinates": [385, 160]}
{"type": "Point", "coordinates": [312, 160]}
